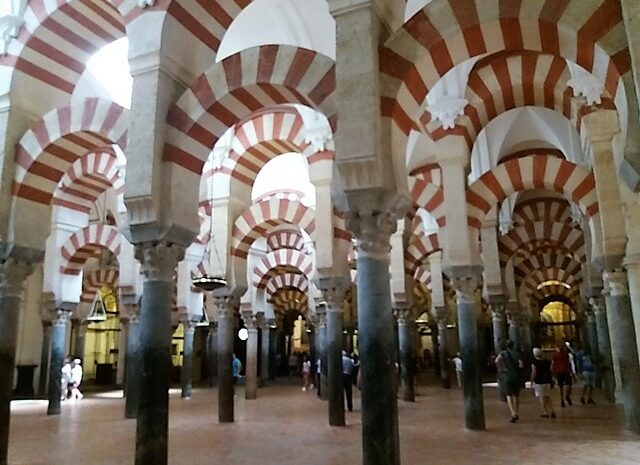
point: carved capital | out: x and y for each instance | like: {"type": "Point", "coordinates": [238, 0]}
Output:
{"type": "Point", "coordinates": [12, 276]}
{"type": "Point", "coordinates": [61, 317]}
{"type": "Point", "coordinates": [441, 315]}
{"type": "Point", "coordinates": [403, 315]}
{"type": "Point", "coordinates": [588, 86]}
{"type": "Point", "coordinates": [373, 232]}
{"type": "Point", "coordinates": [159, 260]}
{"type": "Point", "coordinates": [250, 321]}
{"type": "Point", "coordinates": [498, 311]}
{"type": "Point", "coordinates": [465, 288]}
{"type": "Point", "coordinates": [227, 306]}
{"type": "Point", "coordinates": [334, 293]}
{"type": "Point", "coordinates": [616, 282]}
{"type": "Point", "coordinates": [597, 304]}
{"type": "Point", "coordinates": [320, 318]}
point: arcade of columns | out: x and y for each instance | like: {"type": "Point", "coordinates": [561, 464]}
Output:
{"type": "Point", "coordinates": [483, 154]}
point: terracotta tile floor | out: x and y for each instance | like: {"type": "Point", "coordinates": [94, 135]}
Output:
{"type": "Point", "coordinates": [286, 426]}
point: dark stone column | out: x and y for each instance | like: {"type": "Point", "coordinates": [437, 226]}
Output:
{"type": "Point", "coordinates": [514, 327]}
{"type": "Point", "coordinates": [380, 438]}
{"type": "Point", "coordinates": [44, 358]}
{"type": "Point", "coordinates": [132, 364]}
{"type": "Point", "coordinates": [471, 371]}
{"type": "Point", "coordinates": [265, 345]}
{"type": "Point", "coordinates": [212, 354]}
{"type": "Point", "coordinates": [226, 311]}
{"type": "Point", "coordinates": [58, 340]}
{"type": "Point", "coordinates": [324, 365]}
{"type": "Point", "coordinates": [592, 333]}
{"type": "Point", "coordinates": [605, 359]}
{"type": "Point", "coordinates": [159, 262]}
{"type": "Point", "coordinates": [498, 324]}
{"type": "Point", "coordinates": [624, 337]}
{"type": "Point", "coordinates": [251, 372]}
{"type": "Point", "coordinates": [442, 317]}
{"type": "Point", "coordinates": [12, 276]}
{"type": "Point", "coordinates": [273, 350]}
{"type": "Point", "coordinates": [186, 374]}
{"type": "Point", "coordinates": [80, 342]}
{"type": "Point", "coordinates": [334, 294]}
{"type": "Point", "coordinates": [407, 388]}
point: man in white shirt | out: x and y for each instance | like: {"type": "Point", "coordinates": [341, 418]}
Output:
{"type": "Point", "coordinates": [457, 363]}
{"type": "Point", "coordinates": [76, 379]}
{"type": "Point", "coordinates": [347, 379]}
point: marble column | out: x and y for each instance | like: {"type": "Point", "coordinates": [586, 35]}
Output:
{"type": "Point", "coordinates": [471, 363]}
{"type": "Point", "coordinates": [333, 351]}
{"type": "Point", "coordinates": [498, 324]}
{"type": "Point", "coordinates": [12, 277]}
{"type": "Point", "coordinates": [273, 350]}
{"type": "Point", "coordinates": [632, 265]}
{"type": "Point", "coordinates": [58, 345]}
{"type": "Point", "coordinates": [227, 307]}
{"type": "Point", "coordinates": [265, 345]}
{"type": "Point", "coordinates": [132, 364]}
{"type": "Point", "coordinates": [159, 261]}
{"type": "Point", "coordinates": [251, 380]}
{"type": "Point", "coordinates": [376, 339]}
{"type": "Point", "coordinates": [405, 326]}
{"type": "Point", "coordinates": [624, 337]}
{"type": "Point", "coordinates": [44, 358]}
{"type": "Point", "coordinates": [592, 335]}
{"type": "Point", "coordinates": [186, 373]}
{"type": "Point", "coordinates": [605, 361]}
{"type": "Point", "coordinates": [513, 318]}
{"type": "Point", "coordinates": [322, 339]}
{"type": "Point", "coordinates": [441, 315]}
{"type": "Point", "coordinates": [212, 354]}
{"type": "Point", "coordinates": [122, 350]}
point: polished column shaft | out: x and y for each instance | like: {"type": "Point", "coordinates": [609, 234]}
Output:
{"type": "Point", "coordinates": [225, 358]}
{"type": "Point", "coordinates": [186, 373]}
{"type": "Point", "coordinates": [605, 360]}
{"type": "Point", "coordinates": [58, 340]}
{"type": "Point", "coordinates": [334, 366]}
{"type": "Point", "coordinates": [132, 368]}
{"type": "Point", "coordinates": [44, 358]}
{"type": "Point", "coordinates": [251, 380]}
{"type": "Point", "coordinates": [407, 388]}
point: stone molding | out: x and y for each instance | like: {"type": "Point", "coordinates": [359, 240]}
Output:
{"type": "Point", "coordinates": [587, 86]}
{"type": "Point", "coordinates": [446, 111]}
{"type": "Point", "coordinates": [465, 288]}
{"type": "Point", "coordinates": [159, 260]}
{"type": "Point", "coordinates": [616, 282]}
{"type": "Point", "coordinates": [12, 276]}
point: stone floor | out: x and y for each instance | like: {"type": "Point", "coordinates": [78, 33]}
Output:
{"type": "Point", "coordinates": [286, 426]}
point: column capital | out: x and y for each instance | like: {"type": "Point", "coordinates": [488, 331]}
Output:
{"type": "Point", "coordinates": [616, 281]}
{"type": "Point", "coordinates": [403, 314]}
{"type": "Point", "coordinates": [159, 260]}
{"type": "Point", "coordinates": [602, 125]}
{"type": "Point", "coordinates": [61, 317]}
{"type": "Point", "coordinates": [320, 318]}
{"type": "Point", "coordinates": [466, 288]}
{"type": "Point", "coordinates": [373, 232]}
{"type": "Point", "coordinates": [227, 305]}
{"type": "Point", "coordinates": [498, 310]}
{"type": "Point", "coordinates": [334, 291]}
{"type": "Point", "coordinates": [597, 304]}
{"type": "Point", "coordinates": [12, 276]}
{"type": "Point", "coordinates": [441, 314]}
{"type": "Point", "coordinates": [250, 320]}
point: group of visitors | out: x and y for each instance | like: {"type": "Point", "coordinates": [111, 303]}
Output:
{"type": "Point", "coordinates": [71, 379]}
{"type": "Point", "coordinates": [562, 369]}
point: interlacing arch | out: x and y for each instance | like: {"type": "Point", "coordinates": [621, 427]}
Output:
{"type": "Point", "coordinates": [287, 280]}
{"type": "Point", "coordinates": [93, 281]}
{"type": "Point", "coordinates": [86, 179]}
{"type": "Point", "coordinates": [249, 81]}
{"type": "Point", "coordinates": [62, 136]}
{"type": "Point", "coordinates": [59, 37]}
{"type": "Point", "coordinates": [87, 243]}
{"type": "Point", "coordinates": [425, 190]}
{"type": "Point", "coordinates": [531, 172]}
{"type": "Point", "coordinates": [445, 33]}
{"type": "Point", "coordinates": [279, 262]}
{"type": "Point", "coordinates": [419, 248]}
{"type": "Point", "coordinates": [256, 222]}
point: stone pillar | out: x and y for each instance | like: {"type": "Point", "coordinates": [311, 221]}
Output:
{"type": "Point", "coordinates": [513, 318]}
{"type": "Point", "coordinates": [441, 315]}
{"type": "Point", "coordinates": [44, 358]}
{"type": "Point", "coordinates": [227, 307]}
{"type": "Point", "coordinates": [620, 319]}
{"type": "Point", "coordinates": [322, 354]}
{"type": "Point", "coordinates": [632, 265]}
{"type": "Point", "coordinates": [471, 364]}
{"type": "Point", "coordinates": [132, 369]}
{"type": "Point", "coordinates": [592, 335]}
{"type": "Point", "coordinates": [12, 276]}
{"type": "Point", "coordinates": [186, 373]}
{"type": "Point", "coordinates": [122, 350]}
{"type": "Point", "coordinates": [273, 350]}
{"type": "Point", "coordinates": [159, 261]}
{"type": "Point", "coordinates": [58, 345]}
{"type": "Point", "coordinates": [498, 324]}
{"type": "Point", "coordinates": [376, 339]}
{"type": "Point", "coordinates": [405, 327]}
{"type": "Point", "coordinates": [263, 324]}
{"type": "Point", "coordinates": [605, 361]}
{"type": "Point", "coordinates": [251, 380]}
{"type": "Point", "coordinates": [212, 353]}
{"type": "Point", "coordinates": [334, 292]}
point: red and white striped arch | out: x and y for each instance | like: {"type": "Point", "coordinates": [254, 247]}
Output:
{"type": "Point", "coordinates": [287, 300]}
{"type": "Point", "coordinates": [92, 282]}
{"type": "Point", "coordinates": [62, 136]}
{"type": "Point", "coordinates": [280, 262]}
{"type": "Point", "coordinates": [551, 210]}
{"type": "Point", "coordinates": [87, 243]}
{"type": "Point", "coordinates": [524, 268]}
{"type": "Point", "coordinates": [531, 283]}
{"type": "Point", "coordinates": [287, 280]}
{"type": "Point", "coordinates": [86, 179]}
{"type": "Point", "coordinates": [419, 248]}
{"type": "Point", "coordinates": [425, 189]}
{"type": "Point", "coordinates": [532, 172]}
{"type": "Point", "coordinates": [448, 32]}
{"type": "Point", "coordinates": [257, 221]}
{"type": "Point", "coordinates": [285, 239]}
{"type": "Point", "coordinates": [59, 37]}
{"type": "Point", "coordinates": [249, 81]}
{"type": "Point", "coordinates": [564, 236]}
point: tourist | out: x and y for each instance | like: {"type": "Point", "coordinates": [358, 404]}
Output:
{"type": "Point", "coordinates": [319, 376]}
{"type": "Point", "coordinates": [561, 369]}
{"type": "Point", "coordinates": [509, 366]}
{"type": "Point", "coordinates": [587, 371]}
{"type": "Point", "coordinates": [65, 380]}
{"type": "Point", "coordinates": [457, 363]}
{"type": "Point", "coordinates": [347, 376]}
{"type": "Point", "coordinates": [541, 379]}
{"type": "Point", "coordinates": [356, 368]}
{"type": "Point", "coordinates": [306, 371]}
{"type": "Point", "coordinates": [75, 380]}
{"type": "Point", "coordinates": [236, 367]}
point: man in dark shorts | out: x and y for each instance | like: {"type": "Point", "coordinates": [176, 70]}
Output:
{"type": "Point", "coordinates": [561, 369]}
{"type": "Point", "coordinates": [509, 365]}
